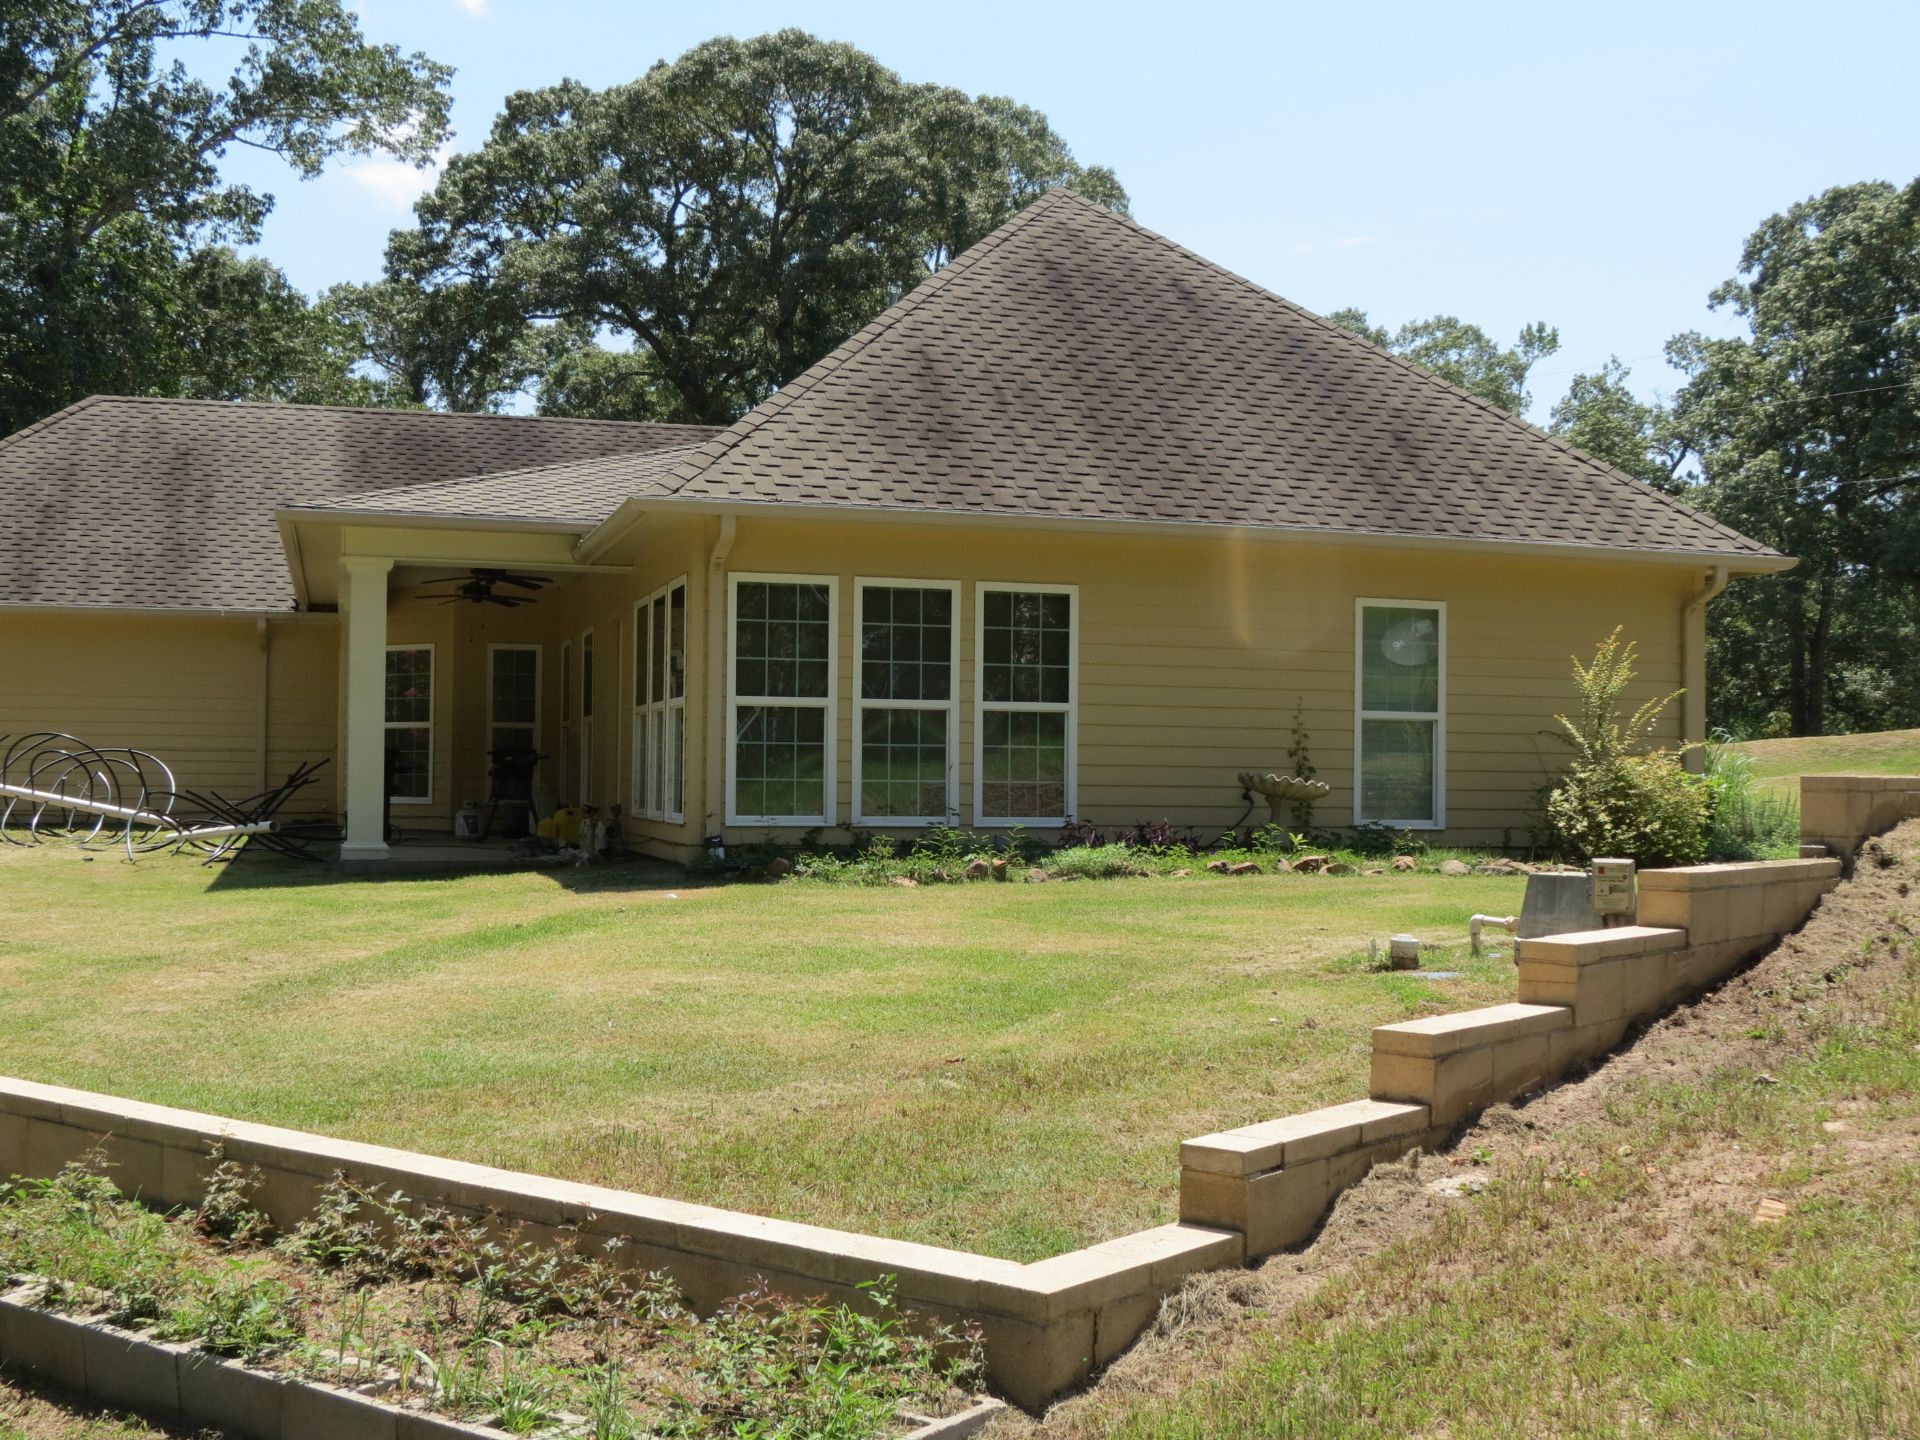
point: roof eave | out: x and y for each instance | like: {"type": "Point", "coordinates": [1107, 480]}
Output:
{"type": "Point", "coordinates": [630, 511]}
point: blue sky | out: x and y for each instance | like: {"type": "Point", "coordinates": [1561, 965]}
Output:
{"type": "Point", "coordinates": [1594, 166]}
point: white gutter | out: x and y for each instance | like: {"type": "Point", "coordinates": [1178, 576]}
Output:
{"type": "Point", "coordinates": [631, 510]}
{"type": "Point", "coordinates": [210, 612]}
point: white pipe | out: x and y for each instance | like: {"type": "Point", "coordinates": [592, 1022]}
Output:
{"type": "Point", "coordinates": [1508, 923]}
{"type": "Point", "coordinates": [53, 800]}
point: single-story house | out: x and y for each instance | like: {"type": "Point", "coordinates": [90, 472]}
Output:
{"type": "Point", "coordinates": [1078, 529]}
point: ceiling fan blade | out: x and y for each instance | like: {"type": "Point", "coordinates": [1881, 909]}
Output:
{"type": "Point", "coordinates": [449, 580]}
{"type": "Point", "coordinates": [526, 582]}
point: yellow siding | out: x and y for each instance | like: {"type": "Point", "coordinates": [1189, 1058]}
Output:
{"type": "Point", "coordinates": [189, 689]}
{"type": "Point", "coordinates": [1195, 651]}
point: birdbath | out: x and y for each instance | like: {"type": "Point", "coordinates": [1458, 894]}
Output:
{"type": "Point", "coordinates": [1282, 791]}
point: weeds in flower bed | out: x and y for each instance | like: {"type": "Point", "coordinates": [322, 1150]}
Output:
{"type": "Point", "coordinates": [449, 1315]}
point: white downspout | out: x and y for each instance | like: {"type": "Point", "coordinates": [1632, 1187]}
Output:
{"type": "Point", "coordinates": [1693, 665]}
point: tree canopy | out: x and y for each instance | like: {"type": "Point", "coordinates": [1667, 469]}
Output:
{"type": "Point", "coordinates": [1601, 415]}
{"type": "Point", "coordinates": [1807, 430]}
{"type": "Point", "coordinates": [680, 246]}
{"type": "Point", "coordinates": [1464, 354]}
{"type": "Point", "coordinates": [113, 212]}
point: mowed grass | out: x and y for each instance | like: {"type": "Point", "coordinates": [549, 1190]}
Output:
{"type": "Point", "coordinates": [1882, 752]}
{"type": "Point", "coordinates": [1005, 1068]}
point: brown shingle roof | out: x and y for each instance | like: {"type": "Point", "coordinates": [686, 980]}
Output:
{"type": "Point", "coordinates": [1075, 364]}
{"type": "Point", "coordinates": [579, 494]}
{"type": "Point", "coordinates": [168, 503]}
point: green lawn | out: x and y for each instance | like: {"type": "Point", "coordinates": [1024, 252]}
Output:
{"type": "Point", "coordinates": [1613, 1279]}
{"type": "Point", "coordinates": [1007, 1068]}
{"type": "Point", "coordinates": [1883, 752]}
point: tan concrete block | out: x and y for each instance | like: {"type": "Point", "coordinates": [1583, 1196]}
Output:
{"type": "Point", "coordinates": [1118, 1323]}
{"type": "Point", "coordinates": [1408, 1079]}
{"type": "Point", "coordinates": [1589, 947]}
{"type": "Point", "coordinates": [1466, 1029]}
{"type": "Point", "coordinates": [1595, 990]}
{"type": "Point", "coordinates": [48, 1346]}
{"type": "Point", "coordinates": [13, 1144]}
{"type": "Point", "coordinates": [1173, 1252]}
{"type": "Point", "coordinates": [1210, 1198]}
{"type": "Point", "coordinates": [129, 1372]}
{"type": "Point", "coordinates": [1463, 1083]}
{"type": "Point", "coordinates": [184, 1169]}
{"type": "Point", "coordinates": [1295, 1139]}
{"type": "Point", "coordinates": [51, 1146]}
{"type": "Point", "coordinates": [1284, 1206]}
{"type": "Point", "coordinates": [226, 1396]}
{"type": "Point", "coordinates": [1646, 982]}
{"type": "Point", "coordinates": [1569, 1048]}
{"type": "Point", "coordinates": [320, 1412]}
{"type": "Point", "coordinates": [1031, 1364]}
{"type": "Point", "coordinates": [1520, 1065]}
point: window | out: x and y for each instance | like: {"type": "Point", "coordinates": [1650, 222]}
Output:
{"type": "Point", "coordinates": [1400, 686]}
{"type": "Point", "coordinates": [1024, 740]}
{"type": "Point", "coordinates": [660, 703]}
{"type": "Point", "coordinates": [513, 715]}
{"type": "Point", "coordinates": [409, 722]}
{"type": "Point", "coordinates": [585, 738]}
{"type": "Point", "coordinates": [904, 707]}
{"type": "Point", "coordinates": [780, 700]}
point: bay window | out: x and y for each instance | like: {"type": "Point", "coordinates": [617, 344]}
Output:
{"type": "Point", "coordinates": [660, 704]}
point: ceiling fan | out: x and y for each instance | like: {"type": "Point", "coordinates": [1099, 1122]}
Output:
{"type": "Point", "coordinates": [479, 587]}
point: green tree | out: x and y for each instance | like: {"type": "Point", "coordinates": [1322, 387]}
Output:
{"type": "Point", "coordinates": [1464, 354]}
{"type": "Point", "coordinates": [112, 209]}
{"type": "Point", "coordinates": [1808, 433]}
{"type": "Point", "coordinates": [1602, 416]}
{"type": "Point", "coordinates": [722, 222]}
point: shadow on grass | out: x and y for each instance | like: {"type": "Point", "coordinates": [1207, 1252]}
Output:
{"type": "Point", "coordinates": [261, 870]}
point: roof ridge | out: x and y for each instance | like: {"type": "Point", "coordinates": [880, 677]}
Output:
{"type": "Point", "coordinates": [47, 422]}
{"type": "Point", "coordinates": [518, 472]}
{"type": "Point", "coordinates": [1461, 392]}
{"type": "Point", "coordinates": [418, 411]}
{"type": "Point", "coordinates": [938, 281]}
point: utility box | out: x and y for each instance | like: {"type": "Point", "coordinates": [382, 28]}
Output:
{"type": "Point", "coordinates": [1613, 898]}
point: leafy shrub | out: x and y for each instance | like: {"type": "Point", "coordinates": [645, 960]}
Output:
{"type": "Point", "coordinates": [234, 1313]}
{"type": "Point", "coordinates": [1373, 840]}
{"type": "Point", "coordinates": [1615, 798]}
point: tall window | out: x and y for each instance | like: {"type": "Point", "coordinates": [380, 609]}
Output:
{"type": "Point", "coordinates": [660, 703]}
{"type": "Point", "coordinates": [904, 713]}
{"type": "Point", "coordinates": [1024, 747]}
{"type": "Point", "coordinates": [585, 739]}
{"type": "Point", "coordinates": [780, 700]}
{"type": "Point", "coordinates": [1400, 685]}
{"type": "Point", "coordinates": [513, 698]}
{"type": "Point", "coordinates": [409, 721]}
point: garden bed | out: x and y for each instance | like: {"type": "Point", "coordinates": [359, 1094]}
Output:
{"type": "Point", "coordinates": [373, 1301]}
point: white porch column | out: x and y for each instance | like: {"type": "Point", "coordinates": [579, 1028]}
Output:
{"type": "Point", "coordinates": [363, 601]}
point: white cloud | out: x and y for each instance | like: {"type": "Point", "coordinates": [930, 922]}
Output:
{"type": "Point", "coordinates": [472, 7]}
{"type": "Point", "coordinates": [395, 184]}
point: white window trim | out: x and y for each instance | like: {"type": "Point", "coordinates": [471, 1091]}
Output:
{"type": "Point", "coordinates": [583, 719]}
{"type": "Point", "coordinates": [649, 712]}
{"type": "Point", "coordinates": [981, 589]}
{"type": "Point", "coordinates": [1361, 716]}
{"type": "Point", "coordinates": [539, 676]}
{"type": "Point", "coordinates": [829, 794]}
{"type": "Point", "coordinates": [433, 725]}
{"type": "Point", "coordinates": [861, 703]}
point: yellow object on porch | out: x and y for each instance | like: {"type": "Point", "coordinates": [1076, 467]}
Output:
{"type": "Point", "coordinates": [563, 825]}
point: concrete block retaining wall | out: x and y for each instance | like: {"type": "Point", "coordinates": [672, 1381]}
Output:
{"type": "Point", "coordinates": [1244, 1193]}
{"type": "Point", "coordinates": [1046, 1325]}
{"type": "Point", "coordinates": [1841, 812]}
{"type": "Point", "coordinates": [1578, 993]}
